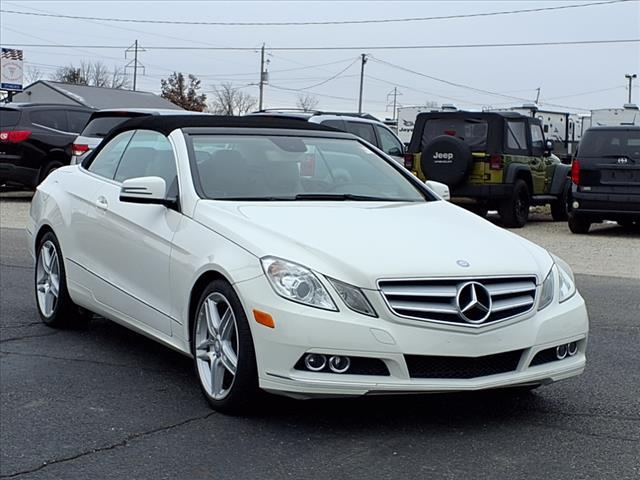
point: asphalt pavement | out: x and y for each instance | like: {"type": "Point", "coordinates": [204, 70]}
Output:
{"type": "Point", "coordinates": [105, 403]}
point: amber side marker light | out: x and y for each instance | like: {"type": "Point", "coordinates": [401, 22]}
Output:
{"type": "Point", "coordinates": [264, 318]}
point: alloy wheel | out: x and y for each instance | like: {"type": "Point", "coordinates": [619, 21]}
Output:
{"type": "Point", "coordinates": [216, 345]}
{"type": "Point", "coordinates": [48, 278]}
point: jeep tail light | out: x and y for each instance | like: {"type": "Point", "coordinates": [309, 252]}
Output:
{"type": "Point", "coordinates": [408, 161]}
{"type": "Point", "coordinates": [575, 171]}
{"type": "Point", "coordinates": [495, 162]}
{"type": "Point", "coordinates": [78, 149]}
{"type": "Point", "coordinates": [14, 136]}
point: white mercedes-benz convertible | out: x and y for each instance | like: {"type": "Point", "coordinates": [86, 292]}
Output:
{"type": "Point", "coordinates": [293, 258]}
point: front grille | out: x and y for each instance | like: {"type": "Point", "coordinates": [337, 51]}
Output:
{"type": "Point", "coordinates": [422, 366]}
{"type": "Point", "coordinates": [437, 299]}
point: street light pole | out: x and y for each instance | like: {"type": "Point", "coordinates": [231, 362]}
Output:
{"type": "Point", "coordinates": [261, 77]}
{"type": "Point", "coordinates": [630, 77]}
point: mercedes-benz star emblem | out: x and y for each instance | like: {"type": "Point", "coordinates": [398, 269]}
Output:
{"type": "Point", "coordinates": [474, 302]}
{"type": "Point", "coordinates": [462, 263]}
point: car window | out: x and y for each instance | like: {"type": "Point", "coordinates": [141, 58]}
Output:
{"type": "Point", "coordinates": [537, 138]}
{"type": "Point", "coordinates": [106, 161]}
{"type": "Point", "coordinates": [101, 126]}
{"type": "Point", "coordinates": [9, 118]}
{"type": "Point", "coordinates": [389, 144]}
{"type": "Point", "coordinates": [338, 124]}
{"type": "Point", "coordinates": [611, 143]}
{"type": "Point", "coordinates": [149, 154]}
{"type": "Point", "coordinates": [77, 120]}
{"type": "Point", "coordinates": [362, 130]}
{"type": "Point", "coordinates": [266, 168]}
{"type": "Point", "coordinates": [471, 131]}
{"type": "Point", "coordinates": [56, 119]}
{"type": "Point", "coordinates": [516, 135]}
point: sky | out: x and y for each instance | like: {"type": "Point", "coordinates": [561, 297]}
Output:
{"type": "Point", "coordinates": [574, 78]}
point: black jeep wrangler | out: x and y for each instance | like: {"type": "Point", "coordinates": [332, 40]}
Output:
{"type": "Point", "coordinates": [490, 160]}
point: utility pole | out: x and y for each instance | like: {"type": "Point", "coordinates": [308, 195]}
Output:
{"type": "Point", "coordinates": [630, 77]}
{"type": "Point", "coordinates": [134, 64]}
{"type": "Point", "coordinates": [362, 62]}
{"type": "Point", "coordinates": [262, 77]}
{"type": "Point", "coordinates": [537, 95]}
{"type": "Point", "coordinates": [394, 93]}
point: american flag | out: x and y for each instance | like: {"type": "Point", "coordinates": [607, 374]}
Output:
{"type": "Point", "coordinates": [11, 54]}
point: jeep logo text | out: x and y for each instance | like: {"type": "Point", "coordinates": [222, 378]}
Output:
{"type": "Point", "coordinates": [443, 157]}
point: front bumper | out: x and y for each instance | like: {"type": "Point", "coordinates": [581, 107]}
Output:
{"type": "Point", "coordinates": [300, 329]}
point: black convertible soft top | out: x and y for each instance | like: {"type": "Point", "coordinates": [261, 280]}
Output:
{"type": "Point", "coordinates": [168, 123]}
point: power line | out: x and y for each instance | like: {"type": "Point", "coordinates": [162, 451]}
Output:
{"type": "Point", "coordinates": [331, 77]}
{"type": "Point", "coordinates": [327, 22]}
{"type": "Point", "coordinates": [354, 47]}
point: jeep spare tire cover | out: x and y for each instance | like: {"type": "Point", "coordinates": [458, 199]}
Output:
{"type": "Point", "coordinates": [446, 159]}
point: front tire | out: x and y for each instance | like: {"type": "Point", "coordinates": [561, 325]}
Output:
{"type": "Point", "coordinates": [514, 211]}
{"type": "Point", "coordinates": [55, 306]}
{"type": "Point", "coordinates": [223, 351]}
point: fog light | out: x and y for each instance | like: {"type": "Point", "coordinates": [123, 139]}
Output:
{"type": "Point", "coordinates": [561, 351]}
{"type": "Point", "coordinates": [572, 349]}
{"type": "Point", "coordinates": [315, 362]}
{"type": "Point", "coordinates": [575, 204]}
{"type": "Point", "coordinates": [339, 364]}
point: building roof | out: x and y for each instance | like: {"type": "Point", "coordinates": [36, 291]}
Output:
{"type": "Point", "coordinates": [100, 97]}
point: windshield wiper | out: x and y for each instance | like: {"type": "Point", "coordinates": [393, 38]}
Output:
{"type": "Point", "coordinates": [346, 196]}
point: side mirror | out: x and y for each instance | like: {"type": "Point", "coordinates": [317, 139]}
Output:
{"type": "Point", "coordinates": [548, 147]}
{"type": "Point", "coordinates": [440, 189]}
{"type": "Point", "coordinates": [395, 152]}
{"type": "Point", "coordinates": [152, 190]}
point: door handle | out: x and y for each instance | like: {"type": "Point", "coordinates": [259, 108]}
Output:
{"type": "Point", "coordinates": [102, 203]}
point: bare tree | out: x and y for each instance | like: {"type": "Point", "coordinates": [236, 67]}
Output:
{"type": "Point", "coordinates": [176, 90]}
{"type": "Point", "coordinates": [32, 74]}
{"type": "Point", "coordinates": [307, 102]}
{"type": "Point", "coordinates": [229, 100]}
{"type": "Point", "coordinates": [95, 74]}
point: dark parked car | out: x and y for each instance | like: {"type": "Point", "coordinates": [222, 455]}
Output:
{"type": "Point", "coordinates": [606, 178]}
{"type": "Point", "coordinates": [35, 139]}
{"type": "Point", "coordinates": [101, 122]}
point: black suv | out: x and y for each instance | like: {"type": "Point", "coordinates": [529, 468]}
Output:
{"type": "Point", "coordinates": [490, 160]}
{"type": "Point", "coordinates": [606, 178]}
{"type": "Point", "coordinates": [36, 139]}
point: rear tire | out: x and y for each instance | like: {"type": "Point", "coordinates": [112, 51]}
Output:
{"type": "Point", "coordinates": [223, 351]}
{"type": "Point", "coordinates": [579, 225]}
{"type": "Point", "coordinates": [514, 211]}
{"type": "Point", "coordinates": [54, 304]}
{"type": "Point", "coordinates": [560, 207]}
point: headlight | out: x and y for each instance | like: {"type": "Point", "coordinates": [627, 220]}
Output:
{"type": "Point", "coordinates": [566, 281]}
{"type": "Point", "coordinates": [546, 296]}
{"type": "Point", "coordinates": [353, 298]}
{"type": "Point", "coordinates": [296, 283]}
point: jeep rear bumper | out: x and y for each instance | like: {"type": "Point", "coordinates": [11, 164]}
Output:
{"type": "Point", "coordinates": [494, 191]}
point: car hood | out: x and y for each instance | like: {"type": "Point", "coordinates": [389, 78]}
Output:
{"type": "Point", "coordinates": [362, 242]}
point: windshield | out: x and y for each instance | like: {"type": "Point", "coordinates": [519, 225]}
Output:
{"type": "Point", "coordinates": [242, 167]}
{"type": "Point", "coordinates": [611, 143]}
{"type": "Point", "coordinates": [471, 131]}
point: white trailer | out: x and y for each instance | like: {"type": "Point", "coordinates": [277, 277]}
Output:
{"type": "Point", "coordinates": [407, 119]}
{"type": "Point", "coordinates": [627, 115]}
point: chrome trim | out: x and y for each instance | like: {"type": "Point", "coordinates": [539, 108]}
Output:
{"type": "Point", "coordinates": [443, 292]}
